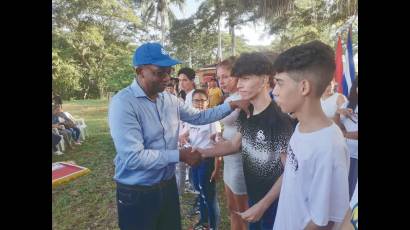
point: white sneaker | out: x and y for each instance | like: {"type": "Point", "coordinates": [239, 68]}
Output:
{"type": "Point", "coordinates": [58, 153]}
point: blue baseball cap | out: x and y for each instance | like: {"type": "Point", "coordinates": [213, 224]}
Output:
{"type": "Point", "coordinates": [152, 54]}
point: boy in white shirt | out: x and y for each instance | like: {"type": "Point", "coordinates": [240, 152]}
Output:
{"type": "Point", "coordinates": [314, 189]}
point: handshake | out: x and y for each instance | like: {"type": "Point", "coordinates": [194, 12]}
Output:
{"type": "Point", "coordinates": [190, 157]}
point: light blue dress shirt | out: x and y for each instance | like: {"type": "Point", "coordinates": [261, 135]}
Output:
{"type": "Point", "coordinates": [145, 133]}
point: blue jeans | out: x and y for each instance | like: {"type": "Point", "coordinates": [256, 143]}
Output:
{"type": "Point", "coordinates": [195, 183]}
{"type": "Point", "coordinates": [267, 220]}
{"type": "Point", "coordinates": [149, 207]}
{"type": "Point", "coordinates": [76, 133]}
{"type": "Point", "coordinates": [195, 176]}
{"type": "Point", "coordinates": [209, 206]}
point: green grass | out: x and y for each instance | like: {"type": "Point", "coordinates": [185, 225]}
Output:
{"type": "Point", "coordinates": [88, 202]}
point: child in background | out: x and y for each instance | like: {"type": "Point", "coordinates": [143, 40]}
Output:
{"type": "Point", "coordinates": [206, 172]}
{"type": "Point", "coordinates": [347, 119]}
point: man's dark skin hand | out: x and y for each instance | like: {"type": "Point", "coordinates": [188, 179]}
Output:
{"type": "Point", "coordinates": [190, 157]}
{"type": "Point", "coordinates": [241, 104]}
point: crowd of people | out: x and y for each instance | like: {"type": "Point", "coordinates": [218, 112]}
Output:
{"type": "Point", "coordinates": [288, 142]}
{"type": "Point", "coordinates": [64, 127]}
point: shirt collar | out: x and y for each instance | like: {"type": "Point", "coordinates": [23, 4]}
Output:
{"type": "Point", "coordinates": [137, 90]}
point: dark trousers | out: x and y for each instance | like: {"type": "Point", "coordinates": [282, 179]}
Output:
{"type": "Point", "coordinates": [67, 135]}
{"type": "Point", "coordinates": [267, 220]}
{"type": "Point", "coordinates": [76, 133]}
{"type": "Point", "coordinates": [149, 207]}
{"type": "Point", "coordinates": [352, 176]}
{"type": "Point", "coordinates": [195, 176]}
{"type": "Point", "coordinates": [195, 183]}
{"type": "Point", "coordinates": [55, 140]}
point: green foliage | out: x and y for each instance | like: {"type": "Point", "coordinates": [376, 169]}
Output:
{"type": "Point", "coordinates": [93, 40]}
{"type": "Point", "coordinates": [197, 36]}
{"type": "Point", "coordinates": [191, 40]}
{"type": "Point", "coordinates": [188, 36]}
{"type": "Point", "coordinates": [66, 75]}
{"type": "Point", "coordinates": [90, 44]}
{"type": "Point", "coordinates": [310, 20]}
{"type": "Point", "coordinates": [157, 16]}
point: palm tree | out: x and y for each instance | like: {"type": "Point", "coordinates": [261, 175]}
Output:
{"type": "Point", "coordinates": [160, 9]}
{"type": "Point", "coordinates": [238, 12]}
{"type": "Point", "coordinates": [268, 8]}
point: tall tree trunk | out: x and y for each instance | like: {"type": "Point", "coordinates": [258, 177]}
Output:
{"type": "Point", "coordinates": [86, 92]}
{"type": "Point", "coordinates": [101, 91]}
{"type": "Point", "coordinates": [162, 27]}
{"type": "Point", "coordinates": [219, 39]}
{"type": "Point", "coordinates": [190, 58]}
{"type": "Point", "coordinates": [233, 40]}
{"type": "Point", "coordinates": [164, 14]}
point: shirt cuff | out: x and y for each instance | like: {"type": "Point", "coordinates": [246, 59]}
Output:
{"type": "Point", "coordinates": [226, 107]}
{"type": "Point", "coordinates": [173, 156]}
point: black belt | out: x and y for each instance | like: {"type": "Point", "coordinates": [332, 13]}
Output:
{"type": "Point", "coordinates": [161, 184]}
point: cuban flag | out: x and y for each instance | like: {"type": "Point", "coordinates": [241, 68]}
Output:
{"type": "Point", "coordinates": [339, 66]}
{"type": "Point", "coordinates": [348, 66]}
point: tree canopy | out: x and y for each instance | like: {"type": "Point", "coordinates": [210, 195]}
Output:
{"type": "Point", "coordinates": [93, 40]}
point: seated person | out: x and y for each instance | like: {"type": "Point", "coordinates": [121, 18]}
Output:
{"type": "Point", "coordinates": [62, 130]}
{"type": "Point", "coordinates": [68, 123]}
{"type": "Point", "coordinates": [55, 140]}
{"type": "Point", "coordinates": [67, 134]}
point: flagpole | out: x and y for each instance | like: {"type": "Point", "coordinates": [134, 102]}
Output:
{"type": "Point", "coordinates": [346, 25]}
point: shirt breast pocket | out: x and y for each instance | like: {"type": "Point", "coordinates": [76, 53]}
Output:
{"type": "Point", "coordinates": [170, 118]}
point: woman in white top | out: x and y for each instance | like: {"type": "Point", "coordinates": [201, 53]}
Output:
{"type": "Point", "coordinates": [233, 176]}
{"type": "Point", "coordinates": [347, 119]}
{"type": "Point", "coordinates": [332, 101]}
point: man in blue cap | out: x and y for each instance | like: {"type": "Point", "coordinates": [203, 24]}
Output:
{"type": "Point", "coordinates": [144, 124]}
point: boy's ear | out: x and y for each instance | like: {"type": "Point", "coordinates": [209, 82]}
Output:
{"type": "Point", "coordinates": [305, 87]}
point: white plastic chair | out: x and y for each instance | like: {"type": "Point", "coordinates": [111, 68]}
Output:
{"type": "Point", "coordinates": [82, 126]}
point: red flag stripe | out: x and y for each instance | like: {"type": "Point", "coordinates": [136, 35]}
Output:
{"type": "Point", "coordinates": [339, 66]}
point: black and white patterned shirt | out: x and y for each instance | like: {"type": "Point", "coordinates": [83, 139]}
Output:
{"type": "Point", "coordinates": [264, 137]}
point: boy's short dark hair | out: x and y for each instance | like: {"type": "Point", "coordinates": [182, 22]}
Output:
{"type": "Point", "coordinates": [314, 60]}
{"type": "Point", "coordinates": [254, 63]}
{"type": "Point", "coordinates": [190, 73]}
{"type": "Point", "coordinates": [271, 55]}
{"type": "Point", "coordinates": [200, 91]}
{"type": "Point", "coordinates": [170, 84]}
